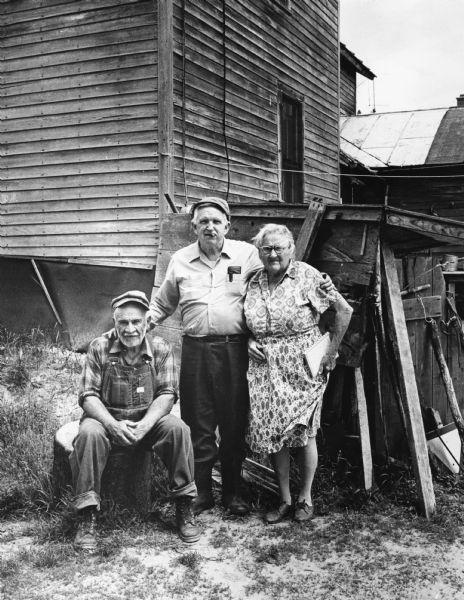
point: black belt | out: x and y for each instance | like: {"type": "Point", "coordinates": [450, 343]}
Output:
{"type": "Point", "coordinates": [224, 339]}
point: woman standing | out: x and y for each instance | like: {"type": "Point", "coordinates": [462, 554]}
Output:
{"type": "Point", "coordinates": [282, 308]}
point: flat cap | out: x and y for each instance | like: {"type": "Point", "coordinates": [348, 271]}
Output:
{"type": "Point", "coordinates": [212, 201]}
{"type": "Point", "coordinates": [135, 296]}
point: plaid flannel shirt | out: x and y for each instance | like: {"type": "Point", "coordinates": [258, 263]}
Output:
{"type": "Point", "coordinates": [155, 349]}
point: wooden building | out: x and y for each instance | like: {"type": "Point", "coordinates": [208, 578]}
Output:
{"type": "Point", "coordinates": [417, 158]}
{"type": "Point", "coordinates": [351, 67]}
{"type": "Point", "coordinates": [108, 106]}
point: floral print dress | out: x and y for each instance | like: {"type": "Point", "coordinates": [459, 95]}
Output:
{"type": "Point", "coordinates": [285, 400]}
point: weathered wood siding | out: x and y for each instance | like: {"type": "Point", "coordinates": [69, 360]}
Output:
{"type": "Point", "coordinates": [347, 91]}
{"type": "Point", "coordinates": [79, 106]}
{"type": "Point", "coordinates": [231, 61]}
{"type": "Point", "coordinates": [434, 190]}
{"type": "Point", "coordinates": [423, 269]}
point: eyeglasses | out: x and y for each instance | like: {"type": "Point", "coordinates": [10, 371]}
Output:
{"type": "Point", "coordinates": [277, 249]}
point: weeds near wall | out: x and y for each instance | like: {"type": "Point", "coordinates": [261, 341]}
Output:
{"type": "Point", "coordinates": [27, 424]}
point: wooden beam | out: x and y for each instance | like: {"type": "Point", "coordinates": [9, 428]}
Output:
{"type": "Point", "coordinates": [309, 229]}
{"type": "Point", "coordinates": [407, 383]}
{"type": "Point", "coordinates": [435, 227]}
{"type": "Point", "coordinates": [165, 102]}
{"type": "Point", "coordinates": [364, 434]}
{"type": "Point", "coordinates": [46, 292]}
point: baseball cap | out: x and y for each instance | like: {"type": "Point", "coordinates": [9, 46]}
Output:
{"type": "Point", "coordinates": [212, 201]}
{"type": "Point", "coordinates": [135, 296]}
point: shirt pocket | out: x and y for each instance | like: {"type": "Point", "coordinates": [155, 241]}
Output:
{"type": "Point", "coordinates": [236, 287]}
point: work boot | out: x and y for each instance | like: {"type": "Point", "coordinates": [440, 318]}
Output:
{"type": "Point", "coordinates": [185, 520]}
{"type": "Point", "coordinates": [203, 480]}
{"type": "Point", "coordinates": [232, 497]}
{"type": "Point", "coordinates": [86, 535]}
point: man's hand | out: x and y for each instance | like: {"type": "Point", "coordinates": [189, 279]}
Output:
{"type": "Point", "coordinates": [255, 351]}
{"type": "Point", "coordinates": [327, 285]}
{"type": "Point", "coordinates": [121, 433]}
{"type": "Point", "coordinates": [138, 429]}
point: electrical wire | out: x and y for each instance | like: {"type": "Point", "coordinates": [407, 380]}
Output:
{"type": "Point", "coordinates": [184, 169]}
{"type": "Point", "coordinates": [228, 163]}
{"type": "Point", "coordinates": [224, 94]}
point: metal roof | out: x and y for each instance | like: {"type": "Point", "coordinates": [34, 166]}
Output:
{"type": "Point", "coordinates": [409, 138]}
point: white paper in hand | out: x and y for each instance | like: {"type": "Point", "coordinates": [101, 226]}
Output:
{"type": "Point", "coordinates": [315, 353]}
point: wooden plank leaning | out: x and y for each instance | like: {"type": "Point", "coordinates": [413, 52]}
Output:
{"type": "Point", "coordinates": [364, 434]}
{"type": "Point", "coordinates": [407, 383]}
{"type": "Point", "coordinates": [308, 231]}
{"type": "Point", "coordinates": [447, 380]}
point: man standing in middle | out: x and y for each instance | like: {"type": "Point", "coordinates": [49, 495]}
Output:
{"type": "Point", "coordinates": [207, 280]}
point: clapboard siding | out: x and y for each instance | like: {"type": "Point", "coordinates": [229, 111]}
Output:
{"type": "Point", "coordinates": [347, 91]}
{"type": "Point", "coordinates": [266, 49]}
{"type": "Point", "coordinates": [80, 115]}
{"type": "Point", "coordinates": [80, 130]}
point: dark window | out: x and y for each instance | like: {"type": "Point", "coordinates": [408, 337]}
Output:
{"type": "Point", "coordinates": [291, 149]}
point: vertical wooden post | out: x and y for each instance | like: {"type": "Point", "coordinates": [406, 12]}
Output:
{"type": "Point", "coordinates": [407, 383]}
{"type": "Point", "coordinates": [165, 102]}
{"type": "Point", "coordinates": [364, 434]}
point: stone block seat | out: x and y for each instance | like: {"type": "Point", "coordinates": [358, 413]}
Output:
{"type": "Point", "coordinates": [127, 479]}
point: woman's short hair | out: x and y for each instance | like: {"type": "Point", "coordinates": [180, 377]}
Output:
{"type": "Point", "coordinates": [272, 228]}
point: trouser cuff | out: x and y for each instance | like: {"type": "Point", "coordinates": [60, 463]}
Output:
{"type": "Point", "coordinates": [85, 500]}
{"type": "Point", "coordinates": [187, 490]}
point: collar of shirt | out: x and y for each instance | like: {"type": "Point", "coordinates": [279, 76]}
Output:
{"type": "Point", "coordinates": [195, 251]}
{"type": "Point", "coordinates": [116, 347]}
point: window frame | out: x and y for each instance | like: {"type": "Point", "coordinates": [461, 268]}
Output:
{"type": "Point", "coordinates": [296, 99]}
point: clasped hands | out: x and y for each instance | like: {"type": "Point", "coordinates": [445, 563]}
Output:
{"type": "Point", "coordinates": [126, 433]}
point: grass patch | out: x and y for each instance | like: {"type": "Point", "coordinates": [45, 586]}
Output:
{"type": "Point", "coordinates": [190, 560]}
{"type": "Point", "coordinates": [28, 418]}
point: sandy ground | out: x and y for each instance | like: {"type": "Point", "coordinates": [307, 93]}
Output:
{"type": "Point", "coordinates": [237, 559]}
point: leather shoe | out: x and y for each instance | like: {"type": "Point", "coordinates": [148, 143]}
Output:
{"type": "Point", "coordinates": [303, 511]}
{"type": "Point", "coordinates": [237, 505]}
{"type": "Point", "coordinates": [185, 520]}
{"type": "Point", "coordinates": [202, 502]}
{"type": "Point", "coordinates": [279, 514]}
{"type": "Point", "coordinates": [86, 535]}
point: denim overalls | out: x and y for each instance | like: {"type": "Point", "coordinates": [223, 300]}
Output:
{"type": "Point", "coordinates": [127, 392]}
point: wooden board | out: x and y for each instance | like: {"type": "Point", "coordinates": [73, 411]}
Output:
{"type": "Point", "coordinates": [407, 382]}
{"type": "Point", "coordinates": [308, 231]}
{"type": "Point", "coordinates": [364, 430]}
{"type": "Point", "coordinates": [427, 306]}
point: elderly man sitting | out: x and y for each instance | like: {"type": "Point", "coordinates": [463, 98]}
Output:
{"type": "Point", "coordinates": [128, 388]}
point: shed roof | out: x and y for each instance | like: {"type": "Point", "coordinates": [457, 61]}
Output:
{"type": "Point", "coordinates": [407, 138]}
{"type": "Point", "coordinates": [350, 58]}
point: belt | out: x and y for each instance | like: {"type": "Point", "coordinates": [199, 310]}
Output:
{"type": "Point", "coordinates": [224, 339]}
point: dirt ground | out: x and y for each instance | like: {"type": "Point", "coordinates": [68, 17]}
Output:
{"type": "Point", "coordinates": [378, 549]}
{"type": "Point", "coordinates": [336, 557]}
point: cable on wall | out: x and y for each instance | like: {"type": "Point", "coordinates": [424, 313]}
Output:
{"type": "Point", "coordinates": [184, 173]}
{"type": "Point", "coordinates": [224, 94]}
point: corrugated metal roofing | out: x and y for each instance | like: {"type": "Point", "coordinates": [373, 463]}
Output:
{"type": "Point", "coordinates": [448, 145]}
{"type": "Point", "coordinates": [409, 138]}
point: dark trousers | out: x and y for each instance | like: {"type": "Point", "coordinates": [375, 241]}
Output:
{"type": "Point", "coordinates": [169, 438]}
{"type": "Point", "coordinates": [214, 392]}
